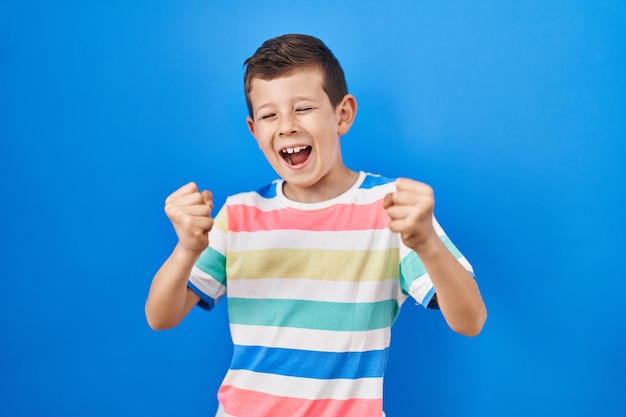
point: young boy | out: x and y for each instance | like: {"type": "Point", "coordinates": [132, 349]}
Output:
{"type": "Point", "coordinates": [315, 265]}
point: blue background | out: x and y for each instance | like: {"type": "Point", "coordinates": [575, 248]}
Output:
{"type": "Point", "coordinates": [515, 112]}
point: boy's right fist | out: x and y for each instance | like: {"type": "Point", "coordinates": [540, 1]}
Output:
{"type": "Point", "coordinates": [189, 210]}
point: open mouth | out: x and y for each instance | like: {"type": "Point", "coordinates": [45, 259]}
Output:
{"type": "Point", "coordinates": [296, 155]}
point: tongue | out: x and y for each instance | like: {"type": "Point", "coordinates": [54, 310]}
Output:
{"type": "Point", "coordinates": [300, 157]}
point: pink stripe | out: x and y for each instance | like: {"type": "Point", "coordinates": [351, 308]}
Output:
{"type": "Point", "coordinates": [244, 403]}
{"type": "Point", "coordinates": [342, 217]}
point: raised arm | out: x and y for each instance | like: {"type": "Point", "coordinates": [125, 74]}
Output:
{"type": "Point", "coordinates": [411, 211]}
{"type": "Point", "coordinates": [169, 299]}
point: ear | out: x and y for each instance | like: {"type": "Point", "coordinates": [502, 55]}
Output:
{"type": "Point", "coordinates": [251, 126]}
{"type": "Point", "coordinates": [346, 112]}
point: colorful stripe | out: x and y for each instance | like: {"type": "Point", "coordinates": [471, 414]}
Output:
{"type": "Point", "coordinates": [310, 364]}
{"type": "Point", "coordinates": [268, 191]}
{"type": "Point", "coordinates": [313, 264]}
{"type": "Point", "coordinates": [205, 302]}
{"type": "Point", "coordinates": [311, 339]}
{"type": "Point", "coordinates": [315, 290]}
{"type": "Point", "coordinates": [239, 402]}
{"type": "Point", "coordinates": [313, 314]}
{"type": "Point", "coordinates": [377, 239]}
{"type": "Point", "coordinates": [213, 263]}
{"type": "Point", "coordinates": [305, 388]}
{"type": "Point", "coordinates": [207, 287]}
{"type": "Point", "coordinates": [372, 181]}
{"type": "Point", "coordinates": [244, 218]}
{"type": "Point", "coordinates": [446, 241]}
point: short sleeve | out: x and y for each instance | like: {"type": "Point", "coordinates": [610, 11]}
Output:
{"type": "Point", "coordinates": [414, 279]}
{"type": "Point", "coordinates": [208, 276]}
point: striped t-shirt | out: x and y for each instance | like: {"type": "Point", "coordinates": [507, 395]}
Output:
{"type": "Point", "coordinates": [313, 290]}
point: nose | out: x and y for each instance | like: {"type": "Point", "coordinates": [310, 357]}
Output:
{"type": "Point", "coordinates": [288, 125]}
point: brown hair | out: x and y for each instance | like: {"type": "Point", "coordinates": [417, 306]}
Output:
{"type": "Point", "coordinates": [280, 55]}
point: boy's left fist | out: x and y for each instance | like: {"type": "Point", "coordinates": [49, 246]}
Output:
{"type": "Point", "coordinates": [410, 209]}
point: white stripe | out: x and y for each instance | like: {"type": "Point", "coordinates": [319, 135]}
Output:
{"type": "Point", "coordinates": [310, 339]}
{"type": "Point", "coordinates": [314, 290]}
{"type": "Point", "coordinates": [217, 240]}
{"type": "Point", "coordinates": [288, 386]}
{"type": "Point", "coordinates": [253, 199]}
{"type": "Point", "coordinates": [368, 195]}
{"type": "Point", "coordinates": [378, 239]}
{"type": "Point", "coordinates": [463, 261]}
{"type": "Point", "coordinates": [205, 283]}
{"type": "Point", "coordinates": [437, 227]}
{"type": "Point", "coordinates": [356, 195]}
{"type": "Point", "coordinates": [420, 287]}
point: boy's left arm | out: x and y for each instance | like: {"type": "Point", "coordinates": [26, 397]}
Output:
{"type": "Point", "coordinates": [411, 211]}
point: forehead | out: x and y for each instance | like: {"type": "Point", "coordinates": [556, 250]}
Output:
{"type": "Point", "coordinates": [305, 81]}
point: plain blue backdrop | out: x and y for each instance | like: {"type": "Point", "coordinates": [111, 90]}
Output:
{"type": "Point", "coordinates": [515, 112]}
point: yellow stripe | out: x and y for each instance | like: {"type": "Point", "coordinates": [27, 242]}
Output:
{"type": "Point", "coordinates": [336, 265]}
{"type": "Point", "coordinates": [221, 221]}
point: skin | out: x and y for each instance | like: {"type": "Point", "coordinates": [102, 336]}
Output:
{"type": "Point", "coordinates": [291, 111]}
{"type": "Point", "coordinates": [169, 299]}
{"type": "Point", "coordinates": [410, 209]}
{"type": "Point", "coordinates": [294, 110]}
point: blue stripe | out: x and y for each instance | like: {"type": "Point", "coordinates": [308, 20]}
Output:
{"type": "Point", "coordinates": [428, 298]}
{"type": "Point", "coordinates": [372, 181]}
{"type": "Point", "coordinates": [310, 364]}
{"type": "Point", "coordinates": [205, 302]}
{"type": "Point", "coordinates": [268, 191]}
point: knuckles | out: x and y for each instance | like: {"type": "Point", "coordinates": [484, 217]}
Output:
{"type": "Point", "coordinates": [189, 211]}
{"type": "Point", "coordinates": [187, 222]}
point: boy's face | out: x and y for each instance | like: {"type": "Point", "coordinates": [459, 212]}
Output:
{"type": "Point", "coordinates": [298, 129]}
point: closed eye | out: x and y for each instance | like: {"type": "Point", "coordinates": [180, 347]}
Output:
{"type": "Point", "coordinates": [267, 116]}
{"type": "Point", "coordinates": [303, 109]}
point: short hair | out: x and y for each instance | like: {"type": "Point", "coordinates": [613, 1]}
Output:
{"type": "Point", "coordinates": [283, 54]}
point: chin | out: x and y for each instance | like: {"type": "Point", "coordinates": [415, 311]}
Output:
{"type": "Point", "coordinates": [300, 180]}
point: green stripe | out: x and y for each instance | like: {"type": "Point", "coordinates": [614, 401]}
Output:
{"type": "Point", "coordinates": [446, 241]}
{"type": "Point", "coordinates": [213, 263]}
{"type": "Point", "coordinates": [312, 314]}
{"type": "Point", "coordinates": [411, 268]}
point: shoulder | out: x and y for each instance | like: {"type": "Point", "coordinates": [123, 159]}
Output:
{"type": "Point", "coordinates": [259, 197]}
{"type": "Point", "coordinates": [370, 188]}
{"type": "Point", "coordinates": [375, 180]}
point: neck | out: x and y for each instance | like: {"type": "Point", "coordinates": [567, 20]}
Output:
{"type": "Point", "coordinates": [325, 189]}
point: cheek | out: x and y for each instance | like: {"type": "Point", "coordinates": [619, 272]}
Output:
{"type": "Point", "coordinates": [262, 139]}
{"type": "Point", "coordinates": [267, 149]}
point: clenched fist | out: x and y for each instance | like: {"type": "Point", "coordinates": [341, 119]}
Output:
{"type": "Point", "coordinates": [411, 211]}
{"type": "Point", "coordinates": [189, 210]}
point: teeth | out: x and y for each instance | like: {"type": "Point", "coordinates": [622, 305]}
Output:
{"type": "Point", "coordinates": [295, 149]}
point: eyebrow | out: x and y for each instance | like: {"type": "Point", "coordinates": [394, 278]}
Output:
{"type": "Point", "coordinates": [261, 107]}
{"type": "Point", "coordinates": [296, 99]}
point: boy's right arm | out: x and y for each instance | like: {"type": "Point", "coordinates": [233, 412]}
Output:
{"type": "Point", "coordinates": [169, 299]}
